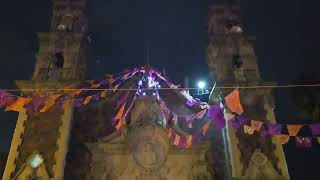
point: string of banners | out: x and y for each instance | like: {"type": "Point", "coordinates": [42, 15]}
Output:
{"type": "Point", "coordinates": [149, 85]}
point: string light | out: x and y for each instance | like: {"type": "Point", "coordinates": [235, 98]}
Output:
{"type": "Point", "coordinates": [161, 88]}
{"type": "Point", "coordinates": [150, 86]}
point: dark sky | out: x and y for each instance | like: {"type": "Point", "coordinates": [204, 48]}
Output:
{"type": "Point", "coordinates": [287, 44]}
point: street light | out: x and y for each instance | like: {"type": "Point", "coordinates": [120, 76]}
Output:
{"type": "Point", "coordinates": [35, 161]}
{"type": "Point", "coordinates": [201, 84]}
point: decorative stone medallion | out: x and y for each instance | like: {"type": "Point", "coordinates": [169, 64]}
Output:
{"type": "Point", "coordinates": [149, 147]}
{"type": "Point", "coordinates": [149, 154]}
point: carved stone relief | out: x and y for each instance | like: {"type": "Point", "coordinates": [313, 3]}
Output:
{"type": "Point", "coordinates": [148, 156]}
{"type": "Point", "coordinates": [142, 151]}
{"type": "Point", "coordinates": [261, 168]}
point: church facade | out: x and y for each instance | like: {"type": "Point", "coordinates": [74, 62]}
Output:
{"type": "Point", "coordinates": [82, 143]}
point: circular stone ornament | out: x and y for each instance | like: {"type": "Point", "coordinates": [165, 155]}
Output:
{"type": "Point", "coordinates": [149, 147]}
{"type": "Point", "coordinates": [149, 154]}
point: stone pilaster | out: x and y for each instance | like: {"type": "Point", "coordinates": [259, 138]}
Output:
{"type": "Point", "coordinates": [236, 165]}
{"type": "Point", "coordinates": [16, 141]}
{"type": "Point", "coordinates": [62, 142]}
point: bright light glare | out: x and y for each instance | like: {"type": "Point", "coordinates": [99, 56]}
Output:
{"type": "Point", "coordinates": [35, 161]}
{"type": "Point", "coordinates": [201, 84]}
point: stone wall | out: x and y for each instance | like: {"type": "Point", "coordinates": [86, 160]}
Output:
{"type": "Point", "coordinates": [41, 134]}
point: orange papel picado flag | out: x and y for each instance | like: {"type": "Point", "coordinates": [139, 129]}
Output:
{"type": "Point", "coordinates": [120, 124]}
{"type": "Point", "coordinates": [18, 105]}
{"type": "Point", "coordinates": [256, 125]}
{"type": "Point", "coordinates": [233, 102]}
{"type": "Point", "coordinates": [282, 138]}
{"type": "Point", "coordinates": [176, 140]}
{"type": "Point", "coordinates": [120, 112]}
{"type": "Point", "coordinates": [103, 94]}
{"type": "Point", "coordinates": [69, 86]}
{"type": "Point", "coordinates": [87, 100]}
{"type": "Point", "coordinates": [205, 128]}
{"type": "Point", "coordinates": [169, 133]}
{"type": "Point", "coordinates": [50, 102]}
{"type": "Point", "coordinates": [72, 90]}
{"type": "Point", "coordinates": [293, 130]}
{"type": "Point", "coordinates": [76, 92]}
{"type": "Point", "coordinates": [248, 129]}
{"type": "Point", "coordinates": [189, 141]}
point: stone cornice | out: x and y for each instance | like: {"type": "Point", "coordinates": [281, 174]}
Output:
{"type": "Point", "coordinates": [38, 86]}
{"type": "Point", "coordinates": [234, 84]}
{"type": "Point", "coordinates": [63, 143]}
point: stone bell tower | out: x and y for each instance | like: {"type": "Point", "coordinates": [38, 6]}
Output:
{"type": "Point", "coordinates": [232, 62]}
{"type": "Point", "coordinates": [40, 141]}
{"type": "Point", "coordinates": [63, 51]}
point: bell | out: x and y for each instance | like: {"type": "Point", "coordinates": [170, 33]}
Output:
{"type": "Point", "coordinates": [236, 29]}
{"type": "Point", "coordinates": [59, 60]}
{"type": "Point", "coordinates": [233, 26]}
{"type": "Point", "coordinates": [61, 27]}
{"type": "Point", "coordinates": [236, 61]}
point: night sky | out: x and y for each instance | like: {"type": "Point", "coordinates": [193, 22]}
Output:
{"type": "Point", "coordinates": [287, 45]}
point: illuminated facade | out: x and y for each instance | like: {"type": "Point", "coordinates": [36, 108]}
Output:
{"type": "Point", "coordinates": [81, 143]}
